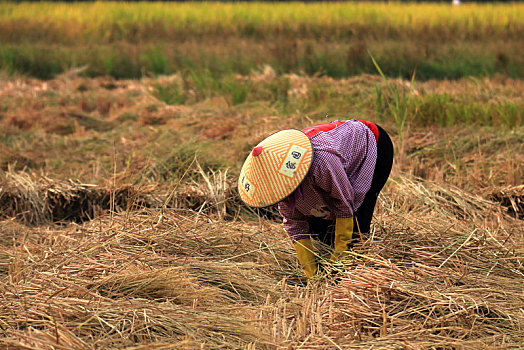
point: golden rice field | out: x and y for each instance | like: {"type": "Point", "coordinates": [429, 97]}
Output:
{"type": "Point", "coordinates": [130, 40]}
{"type": "Point", "coordinates": [122, 131]}
{"type": "Point", "coordinates": [265, 16]}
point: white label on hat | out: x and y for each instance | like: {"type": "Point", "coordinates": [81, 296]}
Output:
{"type": "Point", "coordinates": [247, 186]}
{"type": "Point", "coordinates": [292, 161]}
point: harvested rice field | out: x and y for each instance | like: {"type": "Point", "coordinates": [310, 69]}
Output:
{"type": "Point", "coordinates": [121, 226]}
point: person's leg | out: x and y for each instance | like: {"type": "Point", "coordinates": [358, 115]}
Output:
{"type": "Point", "coordinates": [364, 214]}
{"type": "Point", "coordinates": [323, 230]}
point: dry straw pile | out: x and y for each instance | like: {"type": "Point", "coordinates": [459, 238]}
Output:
{"type": "Point", "coordinates": [443, 268]}
{"type": "Point", "coordinates": [38, 200]}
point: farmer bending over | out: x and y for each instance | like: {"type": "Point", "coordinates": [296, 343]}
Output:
{"type": "Point", "coordinates": [325, 179]}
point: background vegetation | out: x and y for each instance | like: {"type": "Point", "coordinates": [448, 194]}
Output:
{"type": "Point", "coordinates": [130, 40]}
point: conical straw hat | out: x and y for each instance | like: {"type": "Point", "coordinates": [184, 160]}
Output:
{"type": "Point", "coordinates": [275, 168]}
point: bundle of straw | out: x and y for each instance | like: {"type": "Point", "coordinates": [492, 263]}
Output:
{"type": "Point", "coordinates": [38, 199]}
{"type": "Point", "coordinates": [512, 197]}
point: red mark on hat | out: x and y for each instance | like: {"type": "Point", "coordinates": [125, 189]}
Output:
{"type": "Point", "coordinates": [257, 151]}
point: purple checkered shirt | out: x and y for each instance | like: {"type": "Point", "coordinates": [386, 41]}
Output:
{"type": "Point", "coordinates": [340, 175]}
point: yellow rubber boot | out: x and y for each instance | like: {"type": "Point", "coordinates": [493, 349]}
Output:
{"type": "Point", "coordinates": [306, 257]}
{"type": "Point", "coordinates": [343, 237]}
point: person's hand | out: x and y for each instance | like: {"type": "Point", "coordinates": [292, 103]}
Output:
{"type": "Point", "coordinates": [306, 257]}
{"type": "Point", "coordinates": [343, 237]}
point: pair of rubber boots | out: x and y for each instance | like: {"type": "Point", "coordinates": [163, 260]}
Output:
{"type": "Point", "coordinates": [343, 237]}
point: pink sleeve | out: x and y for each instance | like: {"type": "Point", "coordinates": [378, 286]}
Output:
{"type": "Point", "coordinates": [295, 223]}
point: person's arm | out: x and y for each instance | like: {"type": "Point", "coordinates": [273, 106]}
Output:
{"type": "Point", "coordinates": [295, 223]}
{"type": "Point", "coordinates": [297, 227]}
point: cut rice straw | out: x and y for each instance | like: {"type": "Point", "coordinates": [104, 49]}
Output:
{"type": "Point", "coordinates": [442, 268]}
